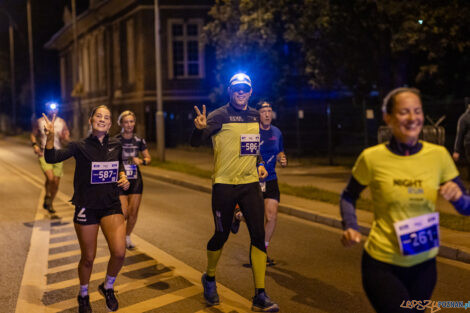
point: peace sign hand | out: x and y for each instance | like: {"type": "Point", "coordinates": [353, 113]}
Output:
{"type": "Point", "coordinates": [49, 131]}
{"type": "Point", "coordinates": [200, 121]}
{"type": "Point", "coordinates": [49, 125]}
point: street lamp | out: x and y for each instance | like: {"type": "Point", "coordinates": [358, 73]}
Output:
{"type": "Point", "coordinates": [31, 60]}
{"type": "Point", "coordinates": [11, 25]}
{"type": "Point", "coordinates": [160, 127]}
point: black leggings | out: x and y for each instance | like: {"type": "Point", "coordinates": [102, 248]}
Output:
{"type": "Point", "coordinates": [388, 285]}
{"type": "Point", "coordinates": [250, 200]}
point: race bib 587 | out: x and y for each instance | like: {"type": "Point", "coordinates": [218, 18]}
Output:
{"type": "Point", "coordinates": [104, 172]}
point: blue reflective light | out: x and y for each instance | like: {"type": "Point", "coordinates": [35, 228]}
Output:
{"type": "Point", "coordinates": [420, 22]}
{"type": "Point", "coordinates": [52, 105]}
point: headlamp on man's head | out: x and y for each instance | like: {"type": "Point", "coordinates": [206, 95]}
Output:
{"type": "Point", "coordinates": [240, 79]}
{"type": "Point", "coordinates": [51, 105]}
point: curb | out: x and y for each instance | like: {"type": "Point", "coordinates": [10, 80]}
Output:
{"type": "Point", "coordinates": [444, 251]}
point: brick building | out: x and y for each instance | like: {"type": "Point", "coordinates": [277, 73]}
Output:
{"type": "Point", "coordinates": [116, 63]}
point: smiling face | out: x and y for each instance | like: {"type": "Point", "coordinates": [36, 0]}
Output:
{"type": "Point", "coordinates": [239, 95]}
{"type": "Point", "coordinates": [128, 124]}
{"type": "Point", "coordinates": [100, 121]}
{"type": "Point", "coordinates": [406, 119]}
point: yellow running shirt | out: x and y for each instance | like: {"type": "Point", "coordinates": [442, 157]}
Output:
{"type": "Point", "coordinates": [235, 140]}
{"type": "Point", "coordinates": [402, 187]}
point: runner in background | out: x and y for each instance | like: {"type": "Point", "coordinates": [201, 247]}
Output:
{"type": "Point", "coordinates": [52, 172]}
{"type": "Point", "coordinates": [272, 151]}
{"type": "Point", "coordinates": [132, 145]}
{"type": "Point", "coordinates": [405, 176]}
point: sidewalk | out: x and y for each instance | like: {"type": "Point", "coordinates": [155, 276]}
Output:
{"type": "Point", "coordinates": [454, 244]}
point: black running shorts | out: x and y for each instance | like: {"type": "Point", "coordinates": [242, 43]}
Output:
{"type": "Point", "coordinates": [85, 216]}
{"type": "Point", "coordinates": [272, 190]}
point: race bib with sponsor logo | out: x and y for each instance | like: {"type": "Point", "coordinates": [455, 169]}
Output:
{"type": "Point", "coordinates": [418, 234]}
{"type": "Point", "coordinates": [249, 144]}
{"type": "Point", "coordinates": [104, 172]}
{"type": "Point", "coordinates": [131, 171]}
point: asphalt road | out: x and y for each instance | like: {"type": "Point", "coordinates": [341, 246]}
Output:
{"type": "Point", "coordinates": [314, 273]}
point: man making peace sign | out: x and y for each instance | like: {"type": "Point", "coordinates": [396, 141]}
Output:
{"type": "Point", "coordinates": [234, 130]}
{"type": "Point", "coordinates": [52, 172]}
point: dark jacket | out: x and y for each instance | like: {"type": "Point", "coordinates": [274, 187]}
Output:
{"type": "Point", "coordinates": [87, 195]}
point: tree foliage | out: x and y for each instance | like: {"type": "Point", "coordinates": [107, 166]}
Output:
{"type": "Point", "coordinates": [248, 37]}
{"type": "Point", "coordinates": [359, 44]}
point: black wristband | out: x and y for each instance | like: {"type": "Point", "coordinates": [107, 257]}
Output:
{"type": "Point", "coordinates": [144, 162]}
{"type": "Point", "coordinates": [34, 144]}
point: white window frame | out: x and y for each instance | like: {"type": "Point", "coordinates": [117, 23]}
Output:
{"type": "Point", "coordinates": [101, 60]}
{"type": "Point", "coordinates": [185, 39]}
{"type": "Point", "coordinates": [117, 71]}
{"type": "Point", "coordinates": [63, 75]}
{"type": "Point", "coordinates": [85, 64]}
{"type": "Point", "coordinates": [130, 43]}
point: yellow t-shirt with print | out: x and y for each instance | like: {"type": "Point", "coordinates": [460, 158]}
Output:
{"type": "Point", "coordinates": [402, 187]}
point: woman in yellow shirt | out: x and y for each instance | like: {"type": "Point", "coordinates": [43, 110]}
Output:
{"type": "Point", "coordinates": [405, 176]}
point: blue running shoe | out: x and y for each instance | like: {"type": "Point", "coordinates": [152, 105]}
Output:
{"type": "Point", "coordinates": [210, 291]}
{"type": "Point", "coordinates": [262, 303]}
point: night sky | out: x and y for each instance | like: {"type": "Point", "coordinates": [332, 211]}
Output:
{"type": "Point", "coordinates": [46, 21]}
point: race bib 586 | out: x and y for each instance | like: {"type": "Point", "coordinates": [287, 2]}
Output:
{"type": "Point", "coordinates": [249, 144]}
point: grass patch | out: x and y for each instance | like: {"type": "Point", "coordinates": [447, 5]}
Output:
{"type": "Point", "coordinates": [181, 167]}
{"type": "Point", "coordinates": [451, 221]}
{"type": "Point", "coordinates": [310, 192]}
{"type": "Point", "coordinates": [455, 222]}
{"type": "Point", "coordinates": [339, 160]}
{"type": "Point", "coordinates": [314, 193]}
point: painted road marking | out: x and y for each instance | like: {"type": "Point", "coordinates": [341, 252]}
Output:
{"type": "Point", "coordinates": [150, 281]}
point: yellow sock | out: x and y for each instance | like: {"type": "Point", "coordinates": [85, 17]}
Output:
{"type": "Point", "coordinates": [212, 259]}
{"type": "Point", "coordinates": [258, 265]}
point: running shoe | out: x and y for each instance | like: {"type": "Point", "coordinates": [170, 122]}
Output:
{"type": "Point", "coordinates": [47, 205]}
{"type": "Point", "coordinates": [270, 262]}
{"type": "Point", "coordinates": [262, 303]}
{"type": "Point", "coordinates": [84, 304]}
{"type": "Point", "coordinates": [129, 244]}
{"type": "Point", "coordinates": [111, 301]}
{"type": "Point", "coordinates": [210, 291]}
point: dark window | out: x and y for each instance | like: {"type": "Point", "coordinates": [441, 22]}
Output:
{"type": "Point", "coordinates": [193, 69]}
{"type": "Point", "coordinates": [192, 30]}
{"type": "Point", "coordinates": [193, 51]}
{"type": "Point", "coordinates": [177, 30]}
{"type": "Point", "coordinates": [178, 52]}
{"type": "Point", "coordinates": [185, 49]}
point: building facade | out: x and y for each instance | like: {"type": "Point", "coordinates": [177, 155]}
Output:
{"type": "Point", "coordinates": [116, 63]}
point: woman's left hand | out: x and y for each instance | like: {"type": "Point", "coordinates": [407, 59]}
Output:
{"type": "Point", "coordinates": [137, 161]}
{"type": "Point", "coordinates": [450, 191]}
{"type": "Point", "coordinates": [123, 183]}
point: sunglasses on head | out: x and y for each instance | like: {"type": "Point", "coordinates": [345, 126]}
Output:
{"type": "Point", "coordinates": [240, 87]}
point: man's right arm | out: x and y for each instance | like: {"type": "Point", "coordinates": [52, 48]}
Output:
{"type": "Point", "coordinates": [200, 135]}
{"type": "Point", "coordinates": [34, 138]}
